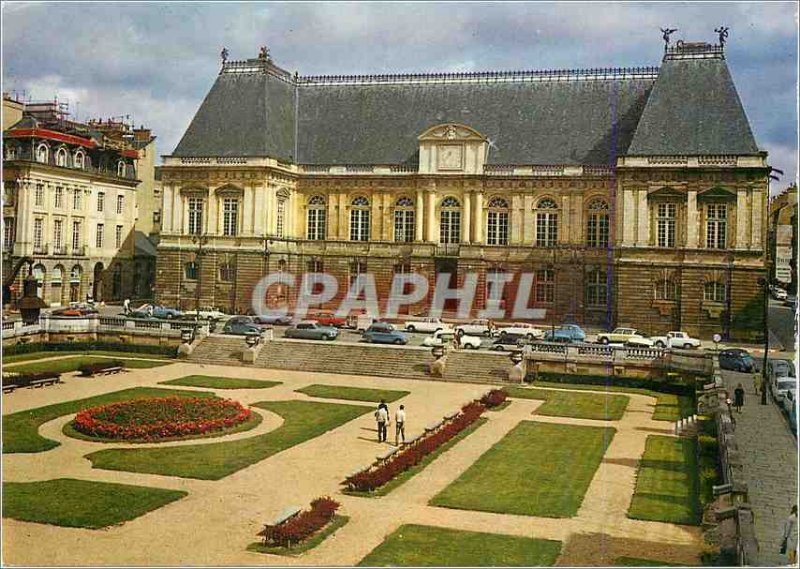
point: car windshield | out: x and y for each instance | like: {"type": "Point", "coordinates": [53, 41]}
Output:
{"type": "Point", "coordinates": [784, 385]}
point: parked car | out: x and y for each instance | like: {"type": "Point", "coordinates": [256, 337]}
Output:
{"type": "Point", "coordinates": [74, 312]}
{"type": "Point", "coordinates": [510, 342]}
{"type": "Point", "coordinates": [737, 359]}
{"type": "Point", "coordinates": [784, 392]}
{"type": "Point", "coordinates": [567, 333]}
{"type": "Point", "coordinates": [141, 314]}
{"type": "Point", "coordinates": [791, 301]}
{"type": "Point", "coordinates": [264, 320]}
{"type": "Point", "coordinates": [329, 319]}
{"type": "Point", "coordinates": [778, 293]}
{"type": "Point", "coordinates": [443, 337]}
{"type": "Point", "coordinates": [619, 336]}
{"type": "Point", "coordinates": [639, 342]}
{"type": "Point", "coordinates": [206, 313]}
{"type": "Point", "coordinates": [310, 330]}
{"type": "Point", "coordinates": [778, 369]}
{"type": "Point", "coordinates": [524, 329]}
{"type": "Point", "coordinates": [478, 327]}
{"type": "Point", "coordinates": [160, 311]}
{"type": "Point", "coordinates": [241, 326]}
{"type": "Point", "coordinates": [426, 325]}
{"type": "Point", "coordinates": [384, 333]}
{"type": "Point", "coordinates": [676, 340]}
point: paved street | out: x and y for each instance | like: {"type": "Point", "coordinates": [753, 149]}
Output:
{"type": "Point", "coordinates": [769, 452]}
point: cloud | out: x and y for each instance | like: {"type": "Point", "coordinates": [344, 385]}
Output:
{"type": "Point", "coordinates": [156, 61]}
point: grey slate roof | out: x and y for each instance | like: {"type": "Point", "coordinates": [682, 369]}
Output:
{"type": "Point", "coordinates": [694, 109]}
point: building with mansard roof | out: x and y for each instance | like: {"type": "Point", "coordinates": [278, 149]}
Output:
{"type": "Point", "coordinates": [635, 196]}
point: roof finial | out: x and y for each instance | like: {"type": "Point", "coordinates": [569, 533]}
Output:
{"type": "Point", "coordinates": [224, 54]}
{"type": "Point", "coordinates": [263, 53]}
{"type": "Point", "coordinates": [723, 35]}
{"type": "Point", "coordinates": [666, 32]}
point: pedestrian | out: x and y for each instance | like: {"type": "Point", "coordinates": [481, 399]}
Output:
{"type": "Point", "coordinates": [738, 397]}
{"type": "Point", "coordinates": [757, 383]}
{"type": "Point", "coordinates": [456, 341]}
{"type": "Point", "coordinates": [400, 425]}
{"type": "Point", "coordinates": [381, 418]}
{"type": "Point", "coordinates": [126, 306]}
{"type": "Point", "coordinates": [789, 541]}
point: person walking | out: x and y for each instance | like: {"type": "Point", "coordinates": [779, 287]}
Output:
{"type": "Point", "coordinates": [738, 397]}
{"type": "Point", "coordinates": [400, 425]}
{"type": "Point", "coordinates": [789, 542]}
{"type": "Point", "coordinates": [126, 306]}
{"type": "Point", "coordinates": [757, 383]}
{"type": "Point", "coordinates": [382, 419]}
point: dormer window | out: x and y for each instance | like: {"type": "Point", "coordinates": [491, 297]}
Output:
{"type": "Point", "coordinates": [42, 153]}
{"type": "Point", "coordinates": [79, 156]}
{"type": "Point", "coordinates": [61, 157]}
{"type": "Point", "coordinates": [452, 148]}
{"type": "Point", "coordinates": [121, 169]}
{"type": "Point", "coordinates": [11, 152]}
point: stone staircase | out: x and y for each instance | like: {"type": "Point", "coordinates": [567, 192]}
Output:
{"type": "Point", "coordinates": [357, 359]}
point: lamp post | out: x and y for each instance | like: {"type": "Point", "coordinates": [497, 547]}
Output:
{"type": "Point", "coordinates": [200, 241]}
{"type": "Point", "coordinates": [764, 284]}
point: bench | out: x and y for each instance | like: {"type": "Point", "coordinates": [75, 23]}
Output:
{"type": "Point", "coordinates": [451, 416]}
{"type": "Point", "coordinates": [433, 427]}
{"type": "Point", "coordinates": [44, 382]}
{"type": "Point", "coordinates": [111, 370]}
{"type": "Point", "coordinates": [357, 471]}
{"type": "Point", "coordinates": [387, 455]}
{"type": "Point", "coordinates": [8, 388]}
{"type": "Point", "coordinates": [286, 514]}
{"type": "Point", "coordinates": [413, 441]}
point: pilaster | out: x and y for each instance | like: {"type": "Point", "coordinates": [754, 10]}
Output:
{"type": "Point", "coordinates": [741, 219]}
{"type": "Point", "coordinates": [466, 226]}
{"type": "Point", "coordinates": [478, 217]}
{"type": "Point", "coordinates": [692, 220]}
{"type": "Point", "coordinates": [419, 216]}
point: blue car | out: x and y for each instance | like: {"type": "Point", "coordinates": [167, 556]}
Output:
{"type": "Point", "coordinates": [567, 333]}
{"type": "Point", "coordinates": [384, 333]}
{"type": "Point", "coordinates": [161, 312]}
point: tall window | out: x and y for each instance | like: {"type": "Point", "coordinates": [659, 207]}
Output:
{"type": "Point", "coordinates": [8, 232]}
{"type": "Point", "coordinates": [79, 159]}
{"type": "Point", "coordinates": [665, 289]}
{"type": "Point", "coordinates": [120, 204]}
{"type": "Point", "coordinates": [230, 216]}
{"type": "Point", "coordinates": [546, 223]}
{"type": "Point", "coordinates": [58, 234]}
{"type": "Point", "coordinates": [497, 222]}
{"type": "Point", "coordinates": [314, 266]}
{"type": "Point", "coordinates": [665, 224]}
{"type": "Point", "coordinates": [315, 226]}
{"type": "Point", "coordinates": [545, 285]}
{"type": "Point", "coordinates": [58, 197]}
{"type": "Point", "coordinates": [359, 219]}
{"type": "Point", "coordinates": [42, 153]}
{"type": "Point", "coordinates": [280, 220]}
{"type": "Point", "coordinates": [714, 291]}
{"type": "Point", "coordinates": [61, 157]}
{"type": "Point", "coordinates": [597, 224]}
{"type": "Point", "coordinates": [38, 225]}
{"type": "Point", "coordinates": [121, 169]}
{"type": "Point", "coordinates": [716, 225]}
{"type": "Point", "coordinates": [98, 242]}
{"type": "Point", "coordinates": [357, 268]}
{"type": "Point", "coordinates": [76, 235]}
{"type": "Point", "coordinates": [38, 195]}
{"type": "Point", "coordinates": [101, 201]}
{"type": "Point", "coordinates": [76, 198]}
{"type": "Point", "coordinates": [57, 277]}
{"type": "Point", "coordinates": [195, 216]}
{"type": "Point", "coordinates": [226, 272]}
{"type": "Point", "coordinates": [596, 288]}
{"type": "Point", "coordinates": [450, 221]}
{"type": "Point", "coordinates": [404, 226]}
{"type": "Point", "coordinates": [118, 236]}
{"type": "Point", "coordinates": [190, 271]}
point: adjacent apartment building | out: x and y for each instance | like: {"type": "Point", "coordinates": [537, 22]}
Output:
{"type": "Point", "coordinates": [783, 238]}
{"type": "Point", "coordinates": [70, 203]}
{"type": "Point", "coordinates": [634, 196]}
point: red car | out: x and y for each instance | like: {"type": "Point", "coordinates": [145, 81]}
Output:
{"type": "Point", "coordinates": [329, 319]}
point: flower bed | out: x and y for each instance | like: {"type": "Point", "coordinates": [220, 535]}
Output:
{"type": "Point", "coordinates": [382, 472]}
{"type": "Point", "coordinates": [157, 418]}
{"type": "Point", "coordinates": [302, 526]}
{"type": "Point", "coordinates": [494, 398]}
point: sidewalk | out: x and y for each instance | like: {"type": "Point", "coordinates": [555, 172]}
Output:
{"type": "Point", "coordinates": [769, 454]}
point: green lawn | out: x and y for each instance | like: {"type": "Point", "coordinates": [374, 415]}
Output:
{"type": "Point", "coordinates": [16, 358]}
{"type": "Point", "coordinates": [70, 364]}
{"type": "Point", "coordinates": [303, 420]}
{"type": "Point", "coordinates": [20, 430]}
{"type": "Point", "coordinates": [305, 545]}
{"type": "Point", "coordinates": [608, 407]}
{"type": "Point", "coordinates": [426, 546]}
{"type": "Point", "coordinates": [81, 503]}
{"type": "Point", "coordinates": [352, 393]}
{"type": "Point", "coordinates": [407, 475]}
{"type": "Point", "coordinates": [666, 483]}
{"type": "Point", "coordinates": [537, 469]}
{"type": "Point", "coordinates": [640, 562]}
{"type": "Point", "coordinates": [210, 382]}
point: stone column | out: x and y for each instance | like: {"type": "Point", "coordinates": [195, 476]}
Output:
{"type": "Point", "coordinates": [516, 215]}
{"type": "Point", "coordinates": [692, 220]}
{"type": "Point", "coordinates": [166, 209]}
{"type": "Point", "coordinates": [248, 210]}
{"type": "Point", "coordinates": [387, 220]}
{"type": "Point", "coordinates": [344, 222]}
{"type": "Point", "coordinates": [23, 224]}
{"type": "Point", "coordinates": [757, 213]}
{"type": "Point", "coordinates": [741, 219]}
{"type": "Point", "coordinates": [527, 220]}
{"type": "Point", "coordinates": [643, 219]}
{"type": "Point", "coordinates": [419, 215]}
{"type": "Point", "coordinates": [430, 215]}
{"type": "Point", "coordinates": [212, 216]}
{"type": "Point", "coordinates": [177, 212]}
{"type": "Point", "coordinates": [465, 226]}
{"type": "Point", "coordinates": [478, 217]}
{"type": "Point", "coordinates": [270, 203]}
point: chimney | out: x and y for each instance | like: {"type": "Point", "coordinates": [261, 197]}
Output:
{"type": "Point", "coordinates": [141, 134]}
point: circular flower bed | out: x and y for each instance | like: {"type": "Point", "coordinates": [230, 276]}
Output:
{"type": "Point", "coordinates": [160, 418]}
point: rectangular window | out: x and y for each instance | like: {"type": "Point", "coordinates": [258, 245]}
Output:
{"type": "Point", "coordinates": [101, 201]}
{"type": "Point", "coordinates": [118, 237]}
{"type": "Point", "coordinates": [497, 228]}
{"type": "Point", "coordinates": [8, 232]}
{"type": "Point", "coordinates": [99, 237]}
{"type": "Point", "coordinates": [665, 224]}
{"type": "Point", "coordinates": [716, 226]}
{"type": "Point", "coordinates": [356, 268]}
{"type": "Point", "coordinates": [597, 234]}
{"type": "Point", "coordinates": [596, 289]}
{"type": "Point", "coordinates": [76, 198]}
{"type": "Point", "coordinates": [316, 224]}
{"type": "Point", "coordinates": [58, 197]}
{"type": "Point", "coordinates": [281, 213]}
{"type": "Point", "coordinates": [38, 196]}
{"type": "Point", "coordinates": [359, 225]}
{"type": "Point", "coordinates": [38, 224]}
{"type": "Point", "coordinates": [76, 235]}
{"type": "Point", "coordinates": [58, 237]}
{"type": "Point", "coordinates": [404, 225]}
{"type": "Point", "coordinates": [195, 216]}
{"type": "Point", "coordinates": [545, 285]}
{"type": "Point", "coordinates": [230, 216]}
{"type": "Point", "coordinates": [120, 204]}
{"type": "Point", "coordinates": [450, 226]}
{"type": "Point", "coordinates": [546, 229]}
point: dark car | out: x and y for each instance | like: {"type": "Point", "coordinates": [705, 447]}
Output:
{"type": "Point", "coordinates": [384, 333]}
{"type": "Point", "coordinates": [241, 326]}
{"type": "Point", "coordinates": [509, 342]}
{"type": "Point", "coordinates": [736, 359]}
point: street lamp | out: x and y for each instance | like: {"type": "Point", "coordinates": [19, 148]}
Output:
{"type": "Point", "coordinates": [764, 284]}
{"type": "Point", "coordinates": [200, 241]}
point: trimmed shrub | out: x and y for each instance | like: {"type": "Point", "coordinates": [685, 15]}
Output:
{"type": "Point", "coordinates": [97, 367]}
{"type": "Point", "coordinates": [709, 446]}
{"type": "Point", "coordinates": [651, 384]}
{"type": "Point", "coordinates": [33, 347]}
{"type": "Point", "coordinates": [494, 398]}
{"type": "Point", "coordinates": [302, 526]}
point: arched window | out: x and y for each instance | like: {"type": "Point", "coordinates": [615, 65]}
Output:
{"type": "Point", "coordinates": [316, 218]}
{"type": "Point", "coordinates": [11, 152]}
{"type": "Point", "coordinates": [359, 219]}
{"type": "Point", "coordinates": [597, 225]}
{"type": "Point", "coordinates": [714, 291]}
{"type": "Point", "coordinates": [58, 275]}
{"type": "Point", "coordinates": [404, 221]}
{"type": "Point", "coordinates": [596, 289]}
{"type": "Point", "coordinates": [450, 221]}
{"type": "Point", "coordinates": [42, 153]}
{"type": "Point", "coordinates": [497, 222]}
{"type": "Point", "coordinates": [120, 169]}
{"type": "Point", "coordinates": [665, 289]}
{"type": "Point", "coordinates": [546, 223]}
{"type": "Point", "coordinates": [226, 272]}
{"type": "Point", "coordinates": [190, 271]}
{"type": "Point", "coordinates": [61, 157]}
{"type": "Point", "coordinates": [79, 159]}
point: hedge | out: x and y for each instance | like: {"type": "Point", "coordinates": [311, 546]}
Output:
{"type": "Point", "coordinates": [651, 384]}
{"type": "Point", "coordinates": [33, 347]}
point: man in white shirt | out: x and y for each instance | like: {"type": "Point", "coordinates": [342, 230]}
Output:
{"type": "Point", "coordinates": [400, 425]}
{"type": "Point", "coordinates": [382, 418]}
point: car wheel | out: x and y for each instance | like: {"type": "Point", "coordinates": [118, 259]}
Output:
{"type": "Point", "coordinates": [411, 329]}
{"type": "Point", "coordinates": [660, 345]}
{"type": "Point", "coordinates": [604, 341]}
{"type": "Point", "coordinates": [398, 342]}
{"type": "Point", "coordinates": [687, 346]}
{"type": "Point", "coordinates": [529, 337]}
{"type": "Point", "coordinates": [473, 346]}
{"type": "Point", "coordinates": [503, 333]}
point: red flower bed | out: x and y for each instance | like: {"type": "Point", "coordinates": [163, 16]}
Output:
{"type": "Point", "coordinates": [411, 455]}
{"type": "Point", "coordinates": [303, 525]}
{"type": "Point", "coordinates": [494, 398]}
{"type": "Point", "coordinates": [156, 418]}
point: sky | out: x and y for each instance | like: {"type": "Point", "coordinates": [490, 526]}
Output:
{"type": "Point", "coordinates": [155, 62]}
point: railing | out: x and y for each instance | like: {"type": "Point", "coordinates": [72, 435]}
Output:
{"type": "Point", "coordinates": [549, 348]}
{"type": "Point", "coordinates": [643, 353]}
{"type": "Point", "coordinates": [596, 351]}
{"type": "Point", "coordinates": [94, 324]}
{"type": "Point", "coordinates": [112, 321]}
{"type": "Point", "coordinates": [8, 325]}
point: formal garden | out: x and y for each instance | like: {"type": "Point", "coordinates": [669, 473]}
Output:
{"type": "Point", "coordinates": [289, 464]}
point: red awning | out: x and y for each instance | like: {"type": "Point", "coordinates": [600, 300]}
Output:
{"type": "Point", "coordinates": [50, 135]}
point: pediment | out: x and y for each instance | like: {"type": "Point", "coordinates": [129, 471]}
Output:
{"type": "Point", "coordinates": [717, 192]}
{"type": "Point", "coordinates": [451, 132]}
{"type": "Point", "coordinates": [666, 192]}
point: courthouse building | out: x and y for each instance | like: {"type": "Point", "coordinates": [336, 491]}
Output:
{"type": "Point", "coordinates": [634, 196]}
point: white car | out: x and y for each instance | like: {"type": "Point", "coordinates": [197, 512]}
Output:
{"type": "Point", "coordinates": [639, 342]}
{"type": "Point", "coordinates": [676, 340]}
{"type": "Point", "coordinates": [426, 325]}
{"type": "Point", "coordinates": [778, 293]}
{"type": "Point", "coordinates": [530, 331]}
{"type": "Point", "coordinates": [788, 400]}
{"type": "Point", "coordinates": [207, 313]}
{"type": "Point", "coordinates": [444, 337]}
{"type": "Point", "coordinates": [475, 328]}
{"type": "Point", "coordinates": [781, 388]}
